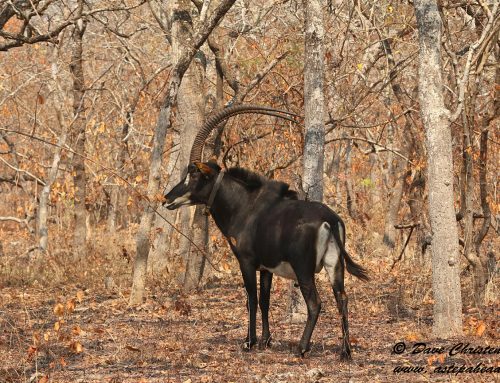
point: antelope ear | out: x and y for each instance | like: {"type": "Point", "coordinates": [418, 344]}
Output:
{"type": "Point", "coordinates": [204, 168]}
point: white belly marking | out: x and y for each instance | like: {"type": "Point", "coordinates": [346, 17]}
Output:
{"type": "Point", "coordinates": [284, 269]}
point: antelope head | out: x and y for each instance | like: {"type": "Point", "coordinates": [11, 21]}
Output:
{"type": "Point", "coordinates": [201, 180]}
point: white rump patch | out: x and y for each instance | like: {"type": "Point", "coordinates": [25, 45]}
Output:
{"type": "Point", "coordinates": [341, 233]}
{"type": "Point", "coordinates": [324, 235]}
{"type": "Point", "coordinates": [327, 255]}
{"type": "Point", "coordinates": [329, 249]}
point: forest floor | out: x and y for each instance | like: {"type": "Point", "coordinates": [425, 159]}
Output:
{"type": "Point", "coordinates": [77, 333]}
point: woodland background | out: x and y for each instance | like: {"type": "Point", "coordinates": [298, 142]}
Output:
{"type": "Point", "coordinates": [81, 86]}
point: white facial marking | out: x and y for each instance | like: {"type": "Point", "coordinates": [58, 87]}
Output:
{"type": "Point", "coordinates": [186, 181]}
{"type": "Point", "coordinates": [182, 200]}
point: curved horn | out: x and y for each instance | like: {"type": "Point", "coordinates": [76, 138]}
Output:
{"type": "Point", "coordinates": [213, 121]}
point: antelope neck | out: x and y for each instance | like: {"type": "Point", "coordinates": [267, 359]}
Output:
{"type": "Point", "coordinates": [214, 191]}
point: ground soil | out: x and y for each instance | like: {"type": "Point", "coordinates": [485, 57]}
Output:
{"type": "Point", "coordinates": [74, 333]}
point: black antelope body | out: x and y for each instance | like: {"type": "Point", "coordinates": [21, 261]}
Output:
{"type": "Point", "coordinates": [270, 231]}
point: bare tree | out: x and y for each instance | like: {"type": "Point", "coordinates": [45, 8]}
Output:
{"type": "Point", "coordinates": [190, 116]}
{"type": "Point", "coordinates": [314, 142]}
{"type": "Point", "coordinates": [469, 83]}
{"type": "Point", "coordinates": [43, 230]}
{"type": "Point", "coordinates": [436, 120]}
{"type": "Point", "coordinates": [29, 14]}
{"type": "Point", "coordinates": [163, 124]}
{"type": "Point", "coordinates": [79, 174]}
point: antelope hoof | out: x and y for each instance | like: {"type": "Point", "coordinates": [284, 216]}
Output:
{"type": "Point", "coordinates": [303, 351]}
{"type": "Point", "coordinates": [345, 355]}
{"type": "Point", "coordinates": [265, 343]}
{"type": "Point", "coordinates": [247, 345]}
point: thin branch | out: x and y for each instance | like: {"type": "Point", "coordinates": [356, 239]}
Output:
{"type": "Point", "coordinates": [23, 171]}
{"type": "Point", "coordinates": [260, 75]}
{"type": "Point", "coordinates": [15, 219]}
{"type": "Point", "coordinates": [221, 65]}
{"type": "Point", "coordinates": [406, 225]}
{"type": "Point", "coordinates": [19, 39]}
{"type": "Point", "coordinates": [462, 85]}
{"type": "Point", "coordinates": [374, 143]}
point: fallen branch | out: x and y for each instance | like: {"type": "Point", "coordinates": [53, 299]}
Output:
{"type": "Point", "coordinates": [404, 247]}
{"type": "Point", "coordinates": [407, 225]}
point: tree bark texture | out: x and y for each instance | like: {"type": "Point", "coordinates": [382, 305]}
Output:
{"type": "Point", "coordinates": [396, 180]}
{"type": "Point", "coordinates": [486, 269]}
{"type": "Point", "coordinates": [467, 204]}
{"type": "Point", "coordinates": [43, 231]}
{"type": "Point", "coordinates": [158, 259]}
{"type": "Point", "coordinates": [116, 208]}
{"type": "Point", "coordinates": [435, 117]}
{"type": "Point", "coordinates": [162, 126]}
{"type": "Point", "coordinates": [190, 117]}
{"type": "Point", "coordinates": [314, 142]}
{"type": "Point", "coordinates": [195, 265]}
{"type": "Point", "coordinates": [394, 202]}
{"type": "Point", "coordinates": [351, 203]}
{"type": "Point", "coordinates": [79, 122]}
{"type": "Point", "coordinates": [43, 207]}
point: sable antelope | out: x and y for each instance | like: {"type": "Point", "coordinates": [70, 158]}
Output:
{"type": "Point", "coordinates": [270, 231]}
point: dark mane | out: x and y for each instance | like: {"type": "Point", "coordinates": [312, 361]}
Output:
{"type": "Point", "coordinates": [249, 179]}
{"type": "Point", "coordinates": [254, 181]}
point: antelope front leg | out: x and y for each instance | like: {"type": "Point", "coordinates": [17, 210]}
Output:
{"type": "Point", "coordinates": [250, 280]}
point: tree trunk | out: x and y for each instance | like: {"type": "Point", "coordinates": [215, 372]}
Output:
{"type": "Point", "coordinates": [435, 117]}
{"type": "Point", "coordinates": [467, 204]}
{"type": "Point", "coordinates": [43, 231]}
{"type": "Point", "coordinates": [163, 124]}
{"type": "Point", "coordinates": [374, 195]}
{"type": "Point", "coordinates": [395, 196]}
{"type": "Point", "coordinates": [161, 250]}
{"type": "Point", "coordinates": [79, 122]}
{"type": "Point", "coordinates": [115, 213]}
{"type": "Point", "coordinates": [416, 196]}
{"type": "Point", "coordinates": [143, 243]}
{"type": "Point", "coordinates": [394, 186]}
{"type": "Point", "coordinates": [43, 210]}
{"type": "Point", "coordinates": [481, 271]}
{"type": "Point", "coordinates": [351, 203]}
{"type": "Point", "coordinates": [190, 117]}
{"type": "Point", "coordinates": [195, 265]}
{"type": "Point", "coordinates": [314, 142]}
{"type": "Point", "coordinates": [399, 173]}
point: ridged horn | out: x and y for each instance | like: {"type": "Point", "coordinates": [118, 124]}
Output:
{"type": "Point", "coordinates": [213, 121]}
